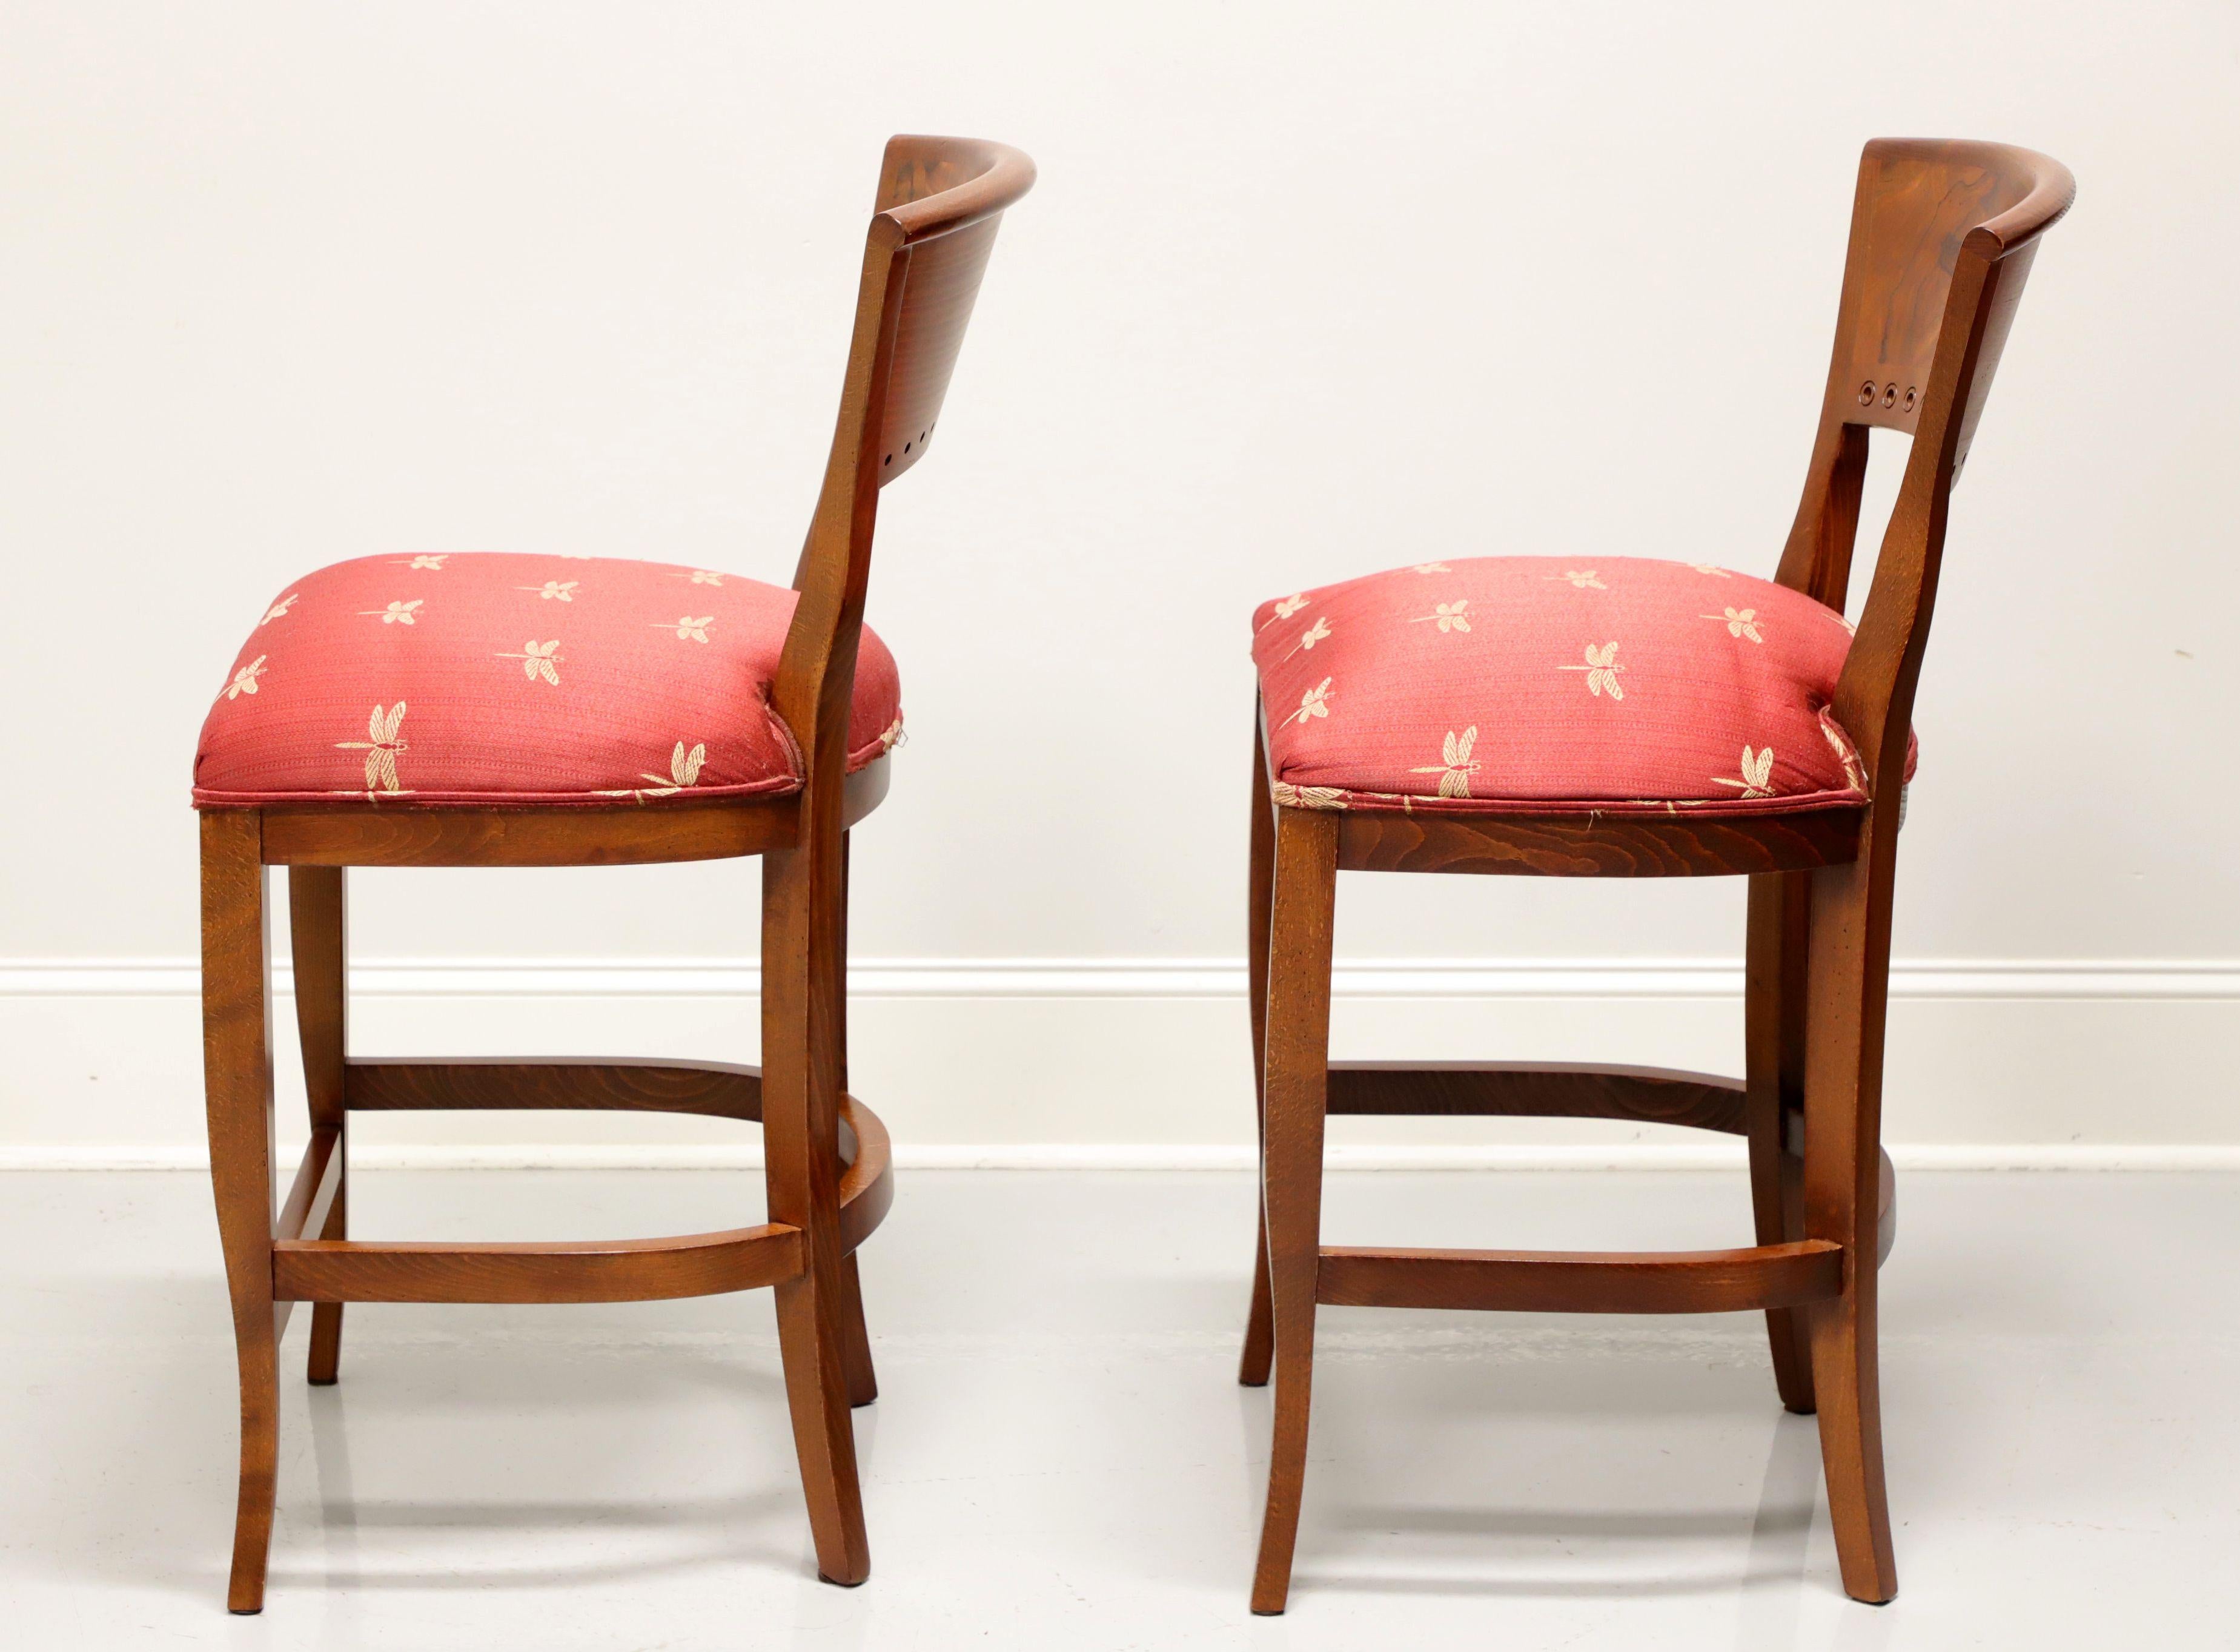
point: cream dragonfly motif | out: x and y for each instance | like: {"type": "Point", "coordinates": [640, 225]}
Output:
{"type": "Point", "coordinates": [424, 564]}
{"type": "Point", "coordinates": [1712, 569]}
{"type": "Point", "coordinates": [562, 590]}
{"type": "Point", "coordinates": [1601, 669]}
{"type": "Point", "coordinates": [1845, 754]}
{"type": "Point", "coordinates": [1433, 568]}
{"type": "Point", "coordinates": [1317, 632]}
{"type": "Point", "coordinates": [1740, 622]}
{"type": "Point", "coordinates": [686, 626]}
{"type": "Point", "coordinates": [539, 660]}
{"type": "Point", "coordinates": [279, 609]}
{"type": "Point", "coordinates": [1448, 616]}
{"type": "Point", "coordinates": [1291, 605]}
{"type": "Point", "coordinates": [1313, 703]}
{"type": "Point", "coordinates": [683, 771]}
{"type": "Point", "coordinates": [1757, 774]}
{"type": "Point", "coordinates": [1286, 796]}
{"type": "Point", "coordinates": [1454, 772]}
{"type": "Point", "coordinates": [382, 746]}
{"type": "Point", "coordinates": [395, 614]}
{"type": "Point", "coordinates": [1580, 578]}
{"type": "Point", "coordinates": [244, 680]}
{"type": "Point", "coordinates": [701, 577]}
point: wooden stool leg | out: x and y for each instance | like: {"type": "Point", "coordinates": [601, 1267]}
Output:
{"type": "Point", "coordinates": [1850, 971]}
{"type": "Point", "coordinates": [318, 943]}
{"type": "Point", "coordinates": [1773, 1042]}
{"type": "Point", "coordinates": [238, 1078]}
{"type": "Point", "coordinates": [1295, 1079]}
{"type": "Point", "coordinates": [801, 914]}
{"type": "Point", "coordinates": [1259, 1325]}
{"type": "Point", "coordinates": [856, 1335]}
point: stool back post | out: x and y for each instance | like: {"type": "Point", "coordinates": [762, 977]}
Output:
{"type": "Point", "coordinates": [1942, 235]}
{"type": "Point", "coordinates": [941, 201]}
{"type": "Point", "coordinates": [1943, 238]}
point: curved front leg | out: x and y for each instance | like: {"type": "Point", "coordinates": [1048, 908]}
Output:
{"type": "Point", "coordinates": [1259, 1325]}
{"type": "Point", "coordinates": [237, 1084]}
{"type": "Point", "coordinates": [1296, 1077]}
{"type": "Point", "coordinates": [1849, 970]}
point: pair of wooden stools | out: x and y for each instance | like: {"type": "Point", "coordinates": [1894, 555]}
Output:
{"type": "Point", "coordinates": [1596, 717]}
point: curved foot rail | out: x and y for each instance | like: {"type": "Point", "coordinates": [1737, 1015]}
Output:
{"type": "Point", "coordinates": [347, 1270]}
{"type": "Point", "coordinates": [1583, 1281]}
{"type": "Point", "coordinates": [1563, 1089]}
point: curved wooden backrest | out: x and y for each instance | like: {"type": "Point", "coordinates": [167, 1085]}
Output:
{"type": "Point", "coordinates": [1942, 236]}
{"type": "Point", "coordinates": [940, 201]}
{"type": "Point", "coordinates": [950, 196]}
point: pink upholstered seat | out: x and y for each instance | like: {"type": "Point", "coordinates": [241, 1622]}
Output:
{"type": "Point", "coordinates": [1552, 684]}
{"type": "Point", "coordinates": [475, 677]}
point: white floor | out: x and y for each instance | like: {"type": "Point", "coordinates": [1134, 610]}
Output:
{"type": "Point", "coordinates": [1061, 1457]}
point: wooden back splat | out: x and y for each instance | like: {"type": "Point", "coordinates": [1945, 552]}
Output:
{"type": "Point", "coordinates": [1942, 236]}
{"type": "Point", "coordinates": [940, 201]}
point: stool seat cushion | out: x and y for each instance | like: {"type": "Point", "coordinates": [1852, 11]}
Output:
{"type": "Point", "coordinates": [469, 677]}
{"type": "Point", "coordinates": [1556, 685]}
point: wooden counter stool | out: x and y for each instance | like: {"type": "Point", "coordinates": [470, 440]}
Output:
{"type": "Point", "coordinates": [1609, 717]}
{"type": "Point", "coordinates": [455, 709]}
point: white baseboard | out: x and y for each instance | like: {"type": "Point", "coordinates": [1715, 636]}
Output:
{"type": "Point", "coordinates": [1056, 1063]}
{"type": "Point", "coordinates": [1001, 978]}
{"type": "Point", "coordinates": [1673, 1155]}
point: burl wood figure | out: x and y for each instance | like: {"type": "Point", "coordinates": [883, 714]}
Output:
{"type": "Point", "coordinates": [939, 203]}
{"type": "Point", "coordinates": [1943, 237]}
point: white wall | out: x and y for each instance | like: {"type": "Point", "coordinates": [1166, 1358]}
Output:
{"type": "Point", "coordinates": [1302, 293]}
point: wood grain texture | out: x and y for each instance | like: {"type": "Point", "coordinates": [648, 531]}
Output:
{"type": "Point", "coordinates": [940, 200]}
{"type": "Point", "coordinates": [1259, 1351]}
{"type": "Point", "coordinates": [238, 1087]}
{"type": "Point", "coordinates": [1676, 845]}
{"type": "Point", "coordinates": [1847, 1007]}
{"type": "Point", "coordinates": [1942, 236]}
{"type": "Point", "coordinates": [855, 1333]}
{"type": "Point", "coordinates": [1773, 1044]}
{"type": "Point", "coordinates": [946, 197]}
{"type": "Point", "coordinates": [318, 943]}
{"type": "Point", "coordinates": [574, 835]}
{"type": "Point", "coordinates": [1537, 1089]}
{"type": "Point", "coordinates": [311, 1194]}
{"type": "Point", "coordinates": [714, 1090]}
{"type": "Point", "coordinates": [377, 835]}
{"type": "Point", "coordinates": [1553, 1281]}
{"type": "Point", "coordinates": [1294, 1072]}
{"type": "Point", "coordinates": [802, 914]}
{"type": "Point", "coordinates": [619, 1270]}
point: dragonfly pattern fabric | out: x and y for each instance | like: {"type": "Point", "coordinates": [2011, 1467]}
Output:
{"type": "Point", "coordinates": [1556, 685]}
{"type": "Point", "coordinates": [490, 678]}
